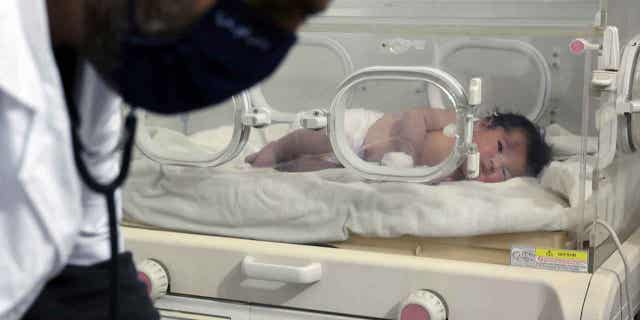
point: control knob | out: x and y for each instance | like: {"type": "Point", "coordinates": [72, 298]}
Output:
{"type": "Point", "coordinates": [154, 276]}
{"type": "Point", "coordinates": [423, 305]}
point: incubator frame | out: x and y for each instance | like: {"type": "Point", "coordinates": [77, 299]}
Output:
{"type": "Point", "coordinates": [465, 117]}
{"type": "Point", "coordinates": [235, 146]}
{"type": "Point", "coordinates": [626, 106]}
{"type": "Point", "coordinates": [252, 110]}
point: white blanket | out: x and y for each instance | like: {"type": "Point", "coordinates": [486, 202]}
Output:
{"type": "Point", "coordinates": [564, 144]}
{"type": "Point", "coordinates": [239, 201]}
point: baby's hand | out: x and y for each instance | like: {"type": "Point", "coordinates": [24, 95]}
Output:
{"type": "Point", "coordinates": [265, 158]}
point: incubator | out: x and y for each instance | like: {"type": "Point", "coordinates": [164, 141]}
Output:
{"type": "Point", "coordinates": [349, 185]}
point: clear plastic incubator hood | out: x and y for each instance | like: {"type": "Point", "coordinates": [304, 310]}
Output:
{"type": "Point", "coordinates": [440, 159]}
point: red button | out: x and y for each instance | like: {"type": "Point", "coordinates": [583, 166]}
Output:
{"type": "Point", "coordinates": [414, 312]}
{"type": "Point", "coordinates": [577, 47]}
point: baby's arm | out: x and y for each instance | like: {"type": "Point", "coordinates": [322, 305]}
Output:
{"type": "Point", "coordinates": [291, 146]}
{"type": "Point", "coordinates": [412, 127]}
{"type": "Point", "coordinates": [426, 119]}
{"type": "Point", "coordinates": [404, 131]}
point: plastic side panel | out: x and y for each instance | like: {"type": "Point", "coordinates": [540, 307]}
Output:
{"type": "Point", "coordinates": [624, 15]}
{"type": "Point", "coordinates": [606, 290]}
{"type": "Point", "coordinates": [359, 283]}
{"type": "Point", "coordinates": [618, 205]}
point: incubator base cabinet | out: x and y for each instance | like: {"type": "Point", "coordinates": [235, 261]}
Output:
{"type": "Point", "coordinates": [213, 276]}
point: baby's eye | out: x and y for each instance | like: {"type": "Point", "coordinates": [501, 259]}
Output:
{"type": "Point", "coordinates": [500, 146]}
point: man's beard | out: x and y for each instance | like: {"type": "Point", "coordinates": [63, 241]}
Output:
{"type": "Point", "coordinates": [107, 24]}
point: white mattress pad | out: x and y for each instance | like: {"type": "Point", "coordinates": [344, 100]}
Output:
{"type": "Point", "coordinates": [236, 200]}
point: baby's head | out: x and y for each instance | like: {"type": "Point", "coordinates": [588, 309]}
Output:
{"type": "Point", "coordinates": [510, 146]}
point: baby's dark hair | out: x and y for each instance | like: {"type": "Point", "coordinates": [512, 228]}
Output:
{"type": "Point", "coordinates": [538, 151]}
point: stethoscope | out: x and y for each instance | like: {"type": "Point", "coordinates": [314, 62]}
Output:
{"type": "Point", "coordinates": [107, 189]}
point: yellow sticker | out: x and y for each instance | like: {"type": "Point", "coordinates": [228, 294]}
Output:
{"type": "Point", "coordinates": [563, 254]}
{"type": "Point", "coordinates": [550, 259]}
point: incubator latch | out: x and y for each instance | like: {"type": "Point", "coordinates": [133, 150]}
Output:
{"type": "Point", "coordinates": [475, 92]}
{"type": "Point", "coordinates": [257, 118]}
{"type": "Point", "coordinates": [473, 156]}
{"type": "Point", "coordinates": [473, 162]}
{"type": "Point", "coordinates": [610, 55]}
{"type": "Point", "coordinates": [315, 119]}
{"type": "Point", "coordinates": [604, 79]}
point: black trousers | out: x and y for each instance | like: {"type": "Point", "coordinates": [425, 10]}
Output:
{"type": "Point", "coordinates": [83, 293]}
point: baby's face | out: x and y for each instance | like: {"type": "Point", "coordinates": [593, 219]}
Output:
{"type": "Point", "coordinates": [503, 155]}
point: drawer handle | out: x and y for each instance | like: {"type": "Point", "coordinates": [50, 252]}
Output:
{"type": "Point", "coordinates": [277, 272]}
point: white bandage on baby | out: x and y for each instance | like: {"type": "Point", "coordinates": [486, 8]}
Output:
{"type": "Point", "coordinates": [397, 160]}
{"type": "Point", "coordinates": [450, 130]}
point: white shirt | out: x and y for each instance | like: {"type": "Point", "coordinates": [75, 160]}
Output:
{"type": "Point", "coordinates": [48, 218]}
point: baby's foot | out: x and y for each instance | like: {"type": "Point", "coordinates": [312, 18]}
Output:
{"type": "Point", "coordinates": [251, 158]}
{"type": "Point", "coordinates": [263, 158]}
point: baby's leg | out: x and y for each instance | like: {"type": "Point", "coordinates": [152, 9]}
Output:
{"type": "Point", "coordinates": [291, 146]}
{"type": "Point", "coordinates": [266, 157]}
{"type": "Point", "coordinates": [377, 139]}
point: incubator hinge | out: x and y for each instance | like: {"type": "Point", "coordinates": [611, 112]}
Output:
{"type": "Point", "coordinates": [315, 119]}
{"type": "Point", "coordinates": [473, 156]}
{"type": "Point", "coordinates": [473, 162]}
{"type": "Point", "coordinates": [259, 117]}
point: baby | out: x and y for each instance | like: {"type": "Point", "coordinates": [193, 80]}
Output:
{"type": "Point", "coordinates": [509, 144]}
